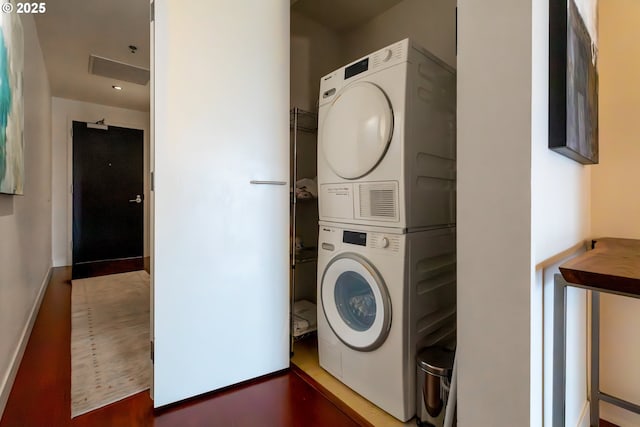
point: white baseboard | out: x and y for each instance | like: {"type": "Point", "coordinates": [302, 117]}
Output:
{"type": "Point", "coordinates": [60, 262]}
{"type": "Point", "coordinates": [9, 378]}
{"type": "Point", "coordinates": [585, 417]}
{"type": "Point", "coordinates": [617, 415]}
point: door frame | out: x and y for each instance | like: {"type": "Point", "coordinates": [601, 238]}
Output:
{"type": "Point", "coordinates": [92, 117]}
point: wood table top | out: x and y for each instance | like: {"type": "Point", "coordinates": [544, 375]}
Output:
{"type": "Point", "coordinates": [612, 266]}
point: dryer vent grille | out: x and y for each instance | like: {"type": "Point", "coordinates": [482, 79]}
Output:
{"type": "Point", "coordinates": [379, 201]}
{"type": "Point", "coordinates": [118, 70]}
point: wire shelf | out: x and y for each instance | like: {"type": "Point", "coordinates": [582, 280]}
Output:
{"type": "Point", "coordinates": [302, 120]}
{"type": "Point", "coordinates": [303, 318]}
{"type": "Point", "coordinates": [305, 255]}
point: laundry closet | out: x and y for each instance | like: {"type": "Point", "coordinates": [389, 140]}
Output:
{"type": "Point", "coordinates": [326, 36]}
{"type": "Point", "coordinates": [223, 223]}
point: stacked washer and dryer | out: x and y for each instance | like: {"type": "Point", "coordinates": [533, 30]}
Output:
{"type": "Point", "coordinates": [386, 244]}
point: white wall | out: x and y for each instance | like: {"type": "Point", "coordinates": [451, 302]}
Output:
{"type": "Point", "coordinates": [431, 23]}
{"type": "Point", "coordinates": [315, 51]}
{"type": "Point", "coordinates": [614, 192]}
{"type": "Point", "coordinates": [560, 220]}
{"type": "Point", "coordinates": [64, 112]}
{"type": "Point", "coordinates": [494, 212]}
{"type": "Point", "coordinates": [25, 221]}
{"type": "Point", "coordinates": [519, 204]}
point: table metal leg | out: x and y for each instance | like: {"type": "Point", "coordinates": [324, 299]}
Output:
{"type": "Point", "coordinates": [595, 359]}
{"type": "Point", "coordinates": [560, 358]}
{"type": "Point", "coordinates": [597, 395]}
{"type": "Point", "coordinates": [559, 350]}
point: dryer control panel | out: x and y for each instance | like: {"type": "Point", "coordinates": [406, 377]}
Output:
{"type": "Point", "coordinates": [386, 57]}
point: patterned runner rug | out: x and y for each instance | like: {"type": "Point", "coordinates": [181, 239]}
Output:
{"type": "Point", "coordinates": [109, 339]}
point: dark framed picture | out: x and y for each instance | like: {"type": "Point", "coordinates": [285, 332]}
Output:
{"type": "Point", "coordinates": [573, 79]}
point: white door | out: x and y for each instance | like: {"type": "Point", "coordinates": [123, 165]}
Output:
{"type": "Point", "coordinates": [356, 302]}
{"type": "Point", "coordinates": [221, 215]}
{"type": "Point", "coordinates": [357, 130]}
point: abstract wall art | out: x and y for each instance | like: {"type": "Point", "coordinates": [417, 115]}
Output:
{"type": "Point", "coordinates": [573, 79]}
{"type": "Point", "coordinates": [11, 104]}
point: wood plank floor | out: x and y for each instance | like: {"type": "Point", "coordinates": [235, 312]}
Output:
{"type": "Point", "coordinates": [41, 393]}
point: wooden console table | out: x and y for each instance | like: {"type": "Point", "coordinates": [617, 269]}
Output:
{"type": "Point", "coordinates": [612, 266]}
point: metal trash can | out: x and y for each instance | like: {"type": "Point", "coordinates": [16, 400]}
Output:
{"type": "Point", "coordinates": [434, 368]}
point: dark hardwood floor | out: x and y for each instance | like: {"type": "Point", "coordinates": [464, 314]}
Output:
{"type": "Point", "coordinates": [41, 393]}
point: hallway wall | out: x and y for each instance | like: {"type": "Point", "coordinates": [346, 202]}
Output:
{"type": "Point", "coordinates": [25, 221]}
{"type": "Point", "coordinates": [519, 205]}
{"type": "Point", "coordinates": [494, 212]}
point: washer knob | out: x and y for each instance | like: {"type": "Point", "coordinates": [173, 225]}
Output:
{"type": "Point", "coordinates": [384, 242]}
{"type": "Point", "coordinates": [386, 55]}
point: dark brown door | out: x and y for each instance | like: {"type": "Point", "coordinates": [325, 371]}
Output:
{"type": "Point", "coordinates": [108, 197]}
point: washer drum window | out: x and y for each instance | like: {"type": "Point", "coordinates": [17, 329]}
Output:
{"type": "Point", "coordinates": [356, 302]}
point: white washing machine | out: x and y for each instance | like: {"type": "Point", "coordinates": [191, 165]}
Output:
{"type": "Point", "coordinates": [382, 295]}
{"type": "Point", "coordinates": [386, 140]}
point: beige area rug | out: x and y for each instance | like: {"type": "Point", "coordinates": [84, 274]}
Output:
{"type": "Point", "coordinates": [109, 339]}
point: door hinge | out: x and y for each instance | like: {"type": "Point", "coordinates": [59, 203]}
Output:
{"type": "Point", "coordinates": [152, 11]}
{"type": "Point", "coordinates": [71, 244]}
{"type": "Point", "coordinates": [152, 352]}
{"type": "Point", "coordinates": [71, 189]}
{"type": "Point", "coordinates": [152, 181]}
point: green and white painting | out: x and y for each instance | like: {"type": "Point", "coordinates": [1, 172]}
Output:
{"type": "Point", "coordinates": [11, 104]}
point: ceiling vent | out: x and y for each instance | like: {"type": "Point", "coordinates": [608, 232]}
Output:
{"type": "Point", "coordinates": [118, 70]}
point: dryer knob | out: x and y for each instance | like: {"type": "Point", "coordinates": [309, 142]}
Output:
{"type": "Point", "coordinates": [386, 55]}
{"type": "Point", "coordinates": [384, 242]}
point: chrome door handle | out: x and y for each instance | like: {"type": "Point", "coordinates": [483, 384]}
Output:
{"type": "Point", "coordinates": [268, 182]}
{"type": "Point", "coordinates": [138, 199]}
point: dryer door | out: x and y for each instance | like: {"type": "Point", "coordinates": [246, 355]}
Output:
{"type": "Point", "coordinates": [357, 130]}
{"type": "Point", "coordinates": [356, 302]}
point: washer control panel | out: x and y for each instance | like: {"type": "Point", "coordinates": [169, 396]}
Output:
{"type": "Point", "coordinates": [332, 239]}
{"type": "Point", "coordinates": [384, 241]}
{"type": "Point", "coordinates": [371, 240]}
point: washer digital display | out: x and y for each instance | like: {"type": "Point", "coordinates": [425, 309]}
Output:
{"type": "Point", "coordinates": [354, 238]}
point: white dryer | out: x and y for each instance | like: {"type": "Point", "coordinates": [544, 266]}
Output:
{"type": "Point", "coordinates": [386, 140]}
{"type": "Point", "coordinates": [381, 295]}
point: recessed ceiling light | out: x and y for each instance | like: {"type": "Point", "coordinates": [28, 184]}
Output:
{"type": "Point", "coordinates": [117, 87]}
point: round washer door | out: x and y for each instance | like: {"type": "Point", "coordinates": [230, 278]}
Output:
{"type": "Point", "coordinates": [356, 302]}
{"type": "Point", "coordinates": [357, 130]}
